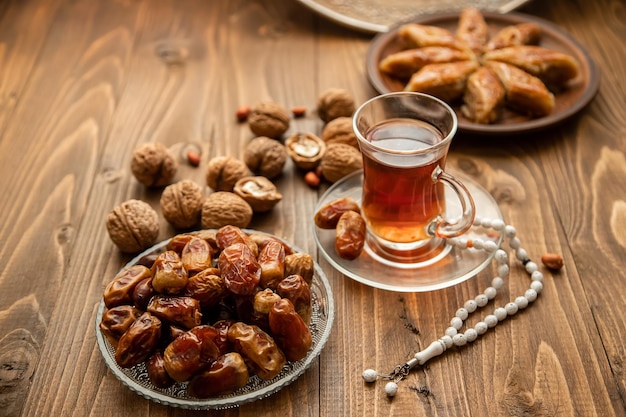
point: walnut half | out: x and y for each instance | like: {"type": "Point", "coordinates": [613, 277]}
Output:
{"type": "Point", "coordinates": [259, 192]}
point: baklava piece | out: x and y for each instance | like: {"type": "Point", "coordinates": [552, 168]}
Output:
{"type": "Point", "coordinates": [404, 63]}
{"type": "Point", "coordinates": [524, 92]}
{"type": "Point", "coordinates": [515, 35]}
{"type": "Point", "coordinates": [484, 97]}
{"type": "Point", "coordinates": [446, 81]}
{"type": "Point", "coordinates": [553, 68]}
{"type": "Point", "coordinates": [415, 35]}
{"type": "Point", "coordinates": [472, 30]}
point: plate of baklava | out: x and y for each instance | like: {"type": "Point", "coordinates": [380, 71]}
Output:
{"type": "Point", "coordinates": [501, 73]}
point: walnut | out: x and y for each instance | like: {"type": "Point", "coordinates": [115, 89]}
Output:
{"type": "Point", "coordinates": [305, 149]}
{"type": "Point", "coordinates": [225, 208]}
{"type": "Point", "coordinates": [340, 130]}
{"type": "Point", "coordinates": [133, 226]}
{"type": "Point", "coordinates": [181, 204]}
{"type": "Point", "coordinates": [268, 118]}
{"type": "Point", "coordinates": [153, 165]}
{"type": "Point", "coordinates": [224, 171]}
{"type": "Point", "coordinates": [333, 103]}
{"type": "Point", "coordinates": [259, 192]}
{"type": "Point", "coordinates": [340, 160]}
{"type": "Point", "coordinates": [265, 156]}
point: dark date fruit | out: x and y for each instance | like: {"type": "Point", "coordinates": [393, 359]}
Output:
{"type": "Point", "coordinates": [207, 287]}
{"type": "Point", "coordinates": [197, 255]}
{"type": "Point", "coordinates": [240, 270]}
{"type": "Point", "coordinates": [350, 235]}
{"type": "Point", "coordinates": [227, 374]}
{"type": "Point", "coordinates": [258, 349]}
{"type": "Point", "coordinates": [190, 352]}
{"type": "Point", "coordinates": [155, 365]}
{"type": "Point", "coordinates": [120, 290]}
{"type": "Point", "coordinates": [168, 274]}
{"type": "Point", "coordinates": [142, 293]}
{"type": "Point", "coordinates": [289, 330]}
{"type": "Point", "coordinates": [115, 321]}
{"type": "Point", "coordinates": [184, 311]}
{"type": "Point", "coordinates": [328, 215]}
{"type": "Point", "coordinates": [296, 290]}
{"type": "Point", "coordinates": [229, 235]}
{"type": "Point", "coordinates": [272, 262]}
{"type": "Point", "coordinates": [139, 341]}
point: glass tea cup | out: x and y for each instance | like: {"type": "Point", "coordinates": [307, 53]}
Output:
{"type": "Point", "coordinates": [404, 138]}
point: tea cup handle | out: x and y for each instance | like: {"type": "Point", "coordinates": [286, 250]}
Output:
{"type": "Point", "coordinates": [444, 228]}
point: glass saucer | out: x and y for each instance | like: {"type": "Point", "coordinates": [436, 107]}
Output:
{"type": "Point", "coordinates": [454, 266]}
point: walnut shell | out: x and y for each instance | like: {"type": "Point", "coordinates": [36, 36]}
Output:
{"type": "Point", "coordinates": [340, 130]}
{"type": "Point", "coordinates": [268, 118]}
{"type": "Point", "coordinates": [265, 156]}
{"type": "Point", "coordinates": [340, 160]}
{"type": "Point", "coordinates": [333, 103]}
{"type": "Point", "coordinates": [133, 226]}
{"type": "Point", "coordinates": [224, 171]}
{"type": "Point", "coordinates": [305, 150]}
{"type": "Point", "coordinates": [181, 204]}
{"type": "Point", "coordinates": [153, 165]}
{"type": "Point", "coordinates": [259, 192]}
{"type": "Point", "coordinates": [225, 208]}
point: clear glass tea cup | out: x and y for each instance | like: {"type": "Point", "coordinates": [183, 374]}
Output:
{"type": "Point", "coordinates": [404, 138]}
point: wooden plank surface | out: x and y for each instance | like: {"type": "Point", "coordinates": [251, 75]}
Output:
{"type": "Point", "coordinates": [83, 83]}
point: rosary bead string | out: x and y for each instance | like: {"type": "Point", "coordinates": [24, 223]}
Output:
{"type": "Point", "coordinates": [453, 335]}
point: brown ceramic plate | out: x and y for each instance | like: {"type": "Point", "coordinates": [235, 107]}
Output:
{"type": "Point", "coordinates": [568, 102]}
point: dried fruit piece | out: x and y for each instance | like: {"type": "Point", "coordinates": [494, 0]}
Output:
{"type": "Point", "coordinates": [168, 273]}
{"type": "Point", "coordinates": [289, 330]}
{"type": "Point", "coordinates": [272, 262]}
{"type": "Point", "coordinates": [258, 349]}
{"type": "Point", "coordinates": [190, 352]}
{"type": "Point", "coordinates": [350, 235]}
{"type": "Point", "coordinates": [183, 311]}
{"type": "Point", "coordinates": [155, 365]}
{"type": "Point", "coordinates": [197, 255]}
{"type": "Point", "coordinates": [120, 290]}
{"type": "Point", "coordinates": [115, 321]}
{"type": "Point", "coordinates": [298, 291]}
{"type": "Point", "coordinates": [240, 270]}
{"type": "Point", "coordinates": [227, 374]}
{"type": "Point", "coordinates": [207, 287]}
{"type": "Point", "coordinates": [328, 215]}
{"type": "Point", "coordinates": [300, 264]}
{"type": "Point", "coordinates": [229, 234]}
{"type": "Point", "coordinates": [139, 341]}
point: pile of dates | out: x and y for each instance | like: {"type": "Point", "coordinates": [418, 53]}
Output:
{"type": "Point", "coordinates": [213, 308]}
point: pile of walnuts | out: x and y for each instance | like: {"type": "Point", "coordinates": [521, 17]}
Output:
{"type": "Point", "coordinates": [240, 187]}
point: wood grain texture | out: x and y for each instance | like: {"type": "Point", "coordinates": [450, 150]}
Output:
{"type": "Point", "coordinates": [82, 83]}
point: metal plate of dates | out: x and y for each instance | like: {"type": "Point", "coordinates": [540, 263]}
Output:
{"type": "Point", "coordinates": [136, 378]}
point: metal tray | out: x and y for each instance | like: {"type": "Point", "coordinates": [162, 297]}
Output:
{"type": "Point", "coordinates": [376, 16]}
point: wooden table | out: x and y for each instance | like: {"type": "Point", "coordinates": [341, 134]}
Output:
{"type": "Point", "coordinates": [82, 83]}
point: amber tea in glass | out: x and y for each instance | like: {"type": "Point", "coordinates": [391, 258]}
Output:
{"type": "Point", "coordinates": [404, 138]}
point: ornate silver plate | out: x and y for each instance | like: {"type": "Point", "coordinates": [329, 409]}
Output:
{"type": "Point", "coordinates": [379, 15]}
{"type": "Point", "coordinates": [136, 378]}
